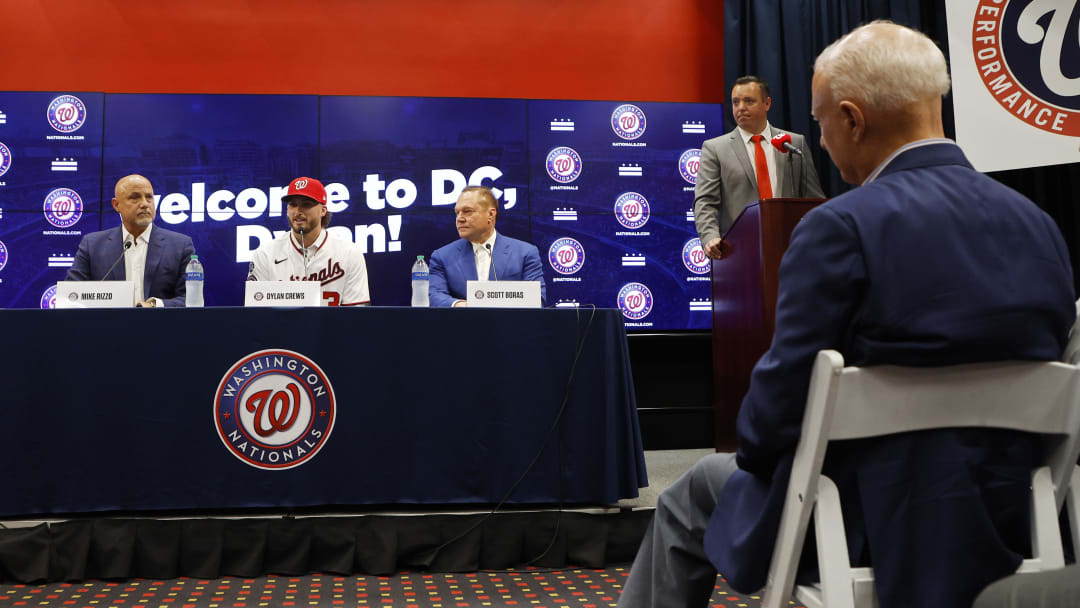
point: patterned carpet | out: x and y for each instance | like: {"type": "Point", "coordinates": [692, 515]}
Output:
{"type": "Point", "coordinates": [528, 588]}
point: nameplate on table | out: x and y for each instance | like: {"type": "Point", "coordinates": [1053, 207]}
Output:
{"type": "Point", "coordinates": [95, 294]}
{"type": "Point", "coordinates": [282, 293]}
{"type": "Point", "coordinates": [503, 294]}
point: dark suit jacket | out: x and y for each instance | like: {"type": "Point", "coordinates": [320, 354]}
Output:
{"type": "Point", "coordinates": [726, 181]}
{"type": "Point", "coordinates": [454, 264]}
{"type": "Point", "coordinates": [931, 264]}
{"type": "Point", "coordinates": [166, 260]}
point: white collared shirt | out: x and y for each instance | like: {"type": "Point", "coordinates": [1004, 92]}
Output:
{"type": "Point", "coordinates": [770, 153]}
{"type": "Point", "coordinates": [483, 257]}
{"type": "Point", "coordinates": [135, 259]}
{"type": "Point", "coordinates": [904, 148]}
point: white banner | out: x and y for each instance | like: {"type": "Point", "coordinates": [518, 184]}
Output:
{"type": "Point", "coordinates": [1016, 81]}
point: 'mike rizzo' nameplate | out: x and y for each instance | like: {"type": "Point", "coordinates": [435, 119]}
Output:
{"type": "Point", "coordinates": [503, 294]}
{"type": "Point", "coordinates": [95, 294]}
{"type": "Point", "coordinates": [282, 293]}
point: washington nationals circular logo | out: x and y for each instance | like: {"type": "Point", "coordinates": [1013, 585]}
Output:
{"type": "Point", "coordinates": [628, 121]}
{"type": "Point", "coordinates": [694, 258]}
{"type": "Point", "coordinates": [632, 210]}
{"type": "Point", "coordinates": [63, 207]}
{"type": "Point", "coordinates": [274, 409]}
{"type": "Point", "coordinates": [1020, 48]}
{"type": "Point", "coordinates": [566, 255]}
{"type": "Point", "coordinates": [689, 163]}
{"type": "Point", "coordinates": [563, 164]}
{"type": "Point", "coordinates": [5, 158]}
{"type": "Point", "coordinates": [66, 113]}
{"type": "Point", "coordinates": [48, 297]}
{"type": "Point", "coordinates": [3, 255]}
{"type": "Point", "coordinates": [635, 301]}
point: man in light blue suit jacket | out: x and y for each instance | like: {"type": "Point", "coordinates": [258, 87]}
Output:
{"type": "Point", "coordinates": [474, 253]}
{"type": "Point", "coordinates": [161, 254]}
{"type": "Point", "coordinates": [926, 263]}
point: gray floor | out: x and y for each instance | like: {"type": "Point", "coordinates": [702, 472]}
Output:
{"type": "Point", "coordinates": [663, 468]}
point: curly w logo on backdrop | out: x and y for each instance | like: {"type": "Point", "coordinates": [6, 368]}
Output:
{"type": "Point", "coordinates": [1016, 81]}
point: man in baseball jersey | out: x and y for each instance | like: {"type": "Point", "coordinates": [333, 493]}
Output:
{"type": "Point", "coordinates": [307, 253]}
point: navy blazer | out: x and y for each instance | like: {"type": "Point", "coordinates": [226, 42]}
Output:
{"type": "Point", "coordinates": [930, 264]}
{"type": "Point", "coordinates": [166, 260]}
{"type": "Point", "coordinates": [454, 264]}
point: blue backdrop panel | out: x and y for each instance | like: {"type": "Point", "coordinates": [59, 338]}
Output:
{"type": "Point", "coordinates": [50, 187]}
{"type": "Point", "coordinates": [137, 431]}
{"type": "Point", "coordinates": [213, 160]}
{"type": "Point", "coordinates": [619, 165]}
{"type": "Point", "coordinates": [392, 166]}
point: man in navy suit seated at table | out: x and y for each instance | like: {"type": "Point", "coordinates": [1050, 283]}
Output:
{"type": "Point", "coordinates": [926, 263]}
{"type": "Point", "coordinates": [153, 257]}
{"type": "Point", "coordinates": [480, 252]}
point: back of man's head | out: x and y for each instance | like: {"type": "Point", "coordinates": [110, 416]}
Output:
{"type": "Point", "coordinates": [885, 66]}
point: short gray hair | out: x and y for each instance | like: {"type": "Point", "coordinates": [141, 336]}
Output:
{"type": "Point", "coordinates": [885, 65]}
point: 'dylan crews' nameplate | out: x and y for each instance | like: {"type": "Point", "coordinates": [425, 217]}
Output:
{"type": "Point", "coordinates": [282, 293]}
{"type": "Point", "coordinates": [95, 294]}
{"type": "Point", "coordinates": [503, 294]}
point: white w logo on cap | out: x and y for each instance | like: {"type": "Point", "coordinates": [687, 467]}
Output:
{"type": "Point", "coordinates": [300, 184]}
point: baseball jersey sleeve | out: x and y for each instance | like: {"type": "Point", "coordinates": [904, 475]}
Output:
{"type": "Point", "coordinates": [356, 283]}
{"type": "Point", "coordinates": [259, 268]}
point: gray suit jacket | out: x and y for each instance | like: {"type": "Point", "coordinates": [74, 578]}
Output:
{"type": "Point", "coordinates": [726, 182]}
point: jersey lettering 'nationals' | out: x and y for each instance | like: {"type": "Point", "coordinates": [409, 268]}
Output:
{"type": "Point", "coordinates": [336, 264]}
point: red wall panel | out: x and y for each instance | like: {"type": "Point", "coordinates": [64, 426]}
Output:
{"type": "Point", "coordinates": [650, 50]}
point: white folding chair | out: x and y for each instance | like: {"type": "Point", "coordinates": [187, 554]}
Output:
{"type": "Point", "coordinates": [848, 403]}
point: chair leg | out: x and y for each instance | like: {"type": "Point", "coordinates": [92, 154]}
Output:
{"type": "Point", "coordinates": [833, 564]}
{"type": "Point", "coordinates": [1072, 503]}
{"type": "Point", "coordinates": [1045, 532]}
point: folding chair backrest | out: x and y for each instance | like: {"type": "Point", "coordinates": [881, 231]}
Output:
{"type": "Point", "coordinates": [849, 403]}
{"type": "Point", "coordinates": [1038, 397]}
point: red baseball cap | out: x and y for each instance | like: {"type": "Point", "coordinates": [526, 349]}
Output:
{"type": "Point", "coordinates": [306, 186]}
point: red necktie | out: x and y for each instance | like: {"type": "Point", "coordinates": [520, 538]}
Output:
{"type": "Point", "coordinates": [761, 166]}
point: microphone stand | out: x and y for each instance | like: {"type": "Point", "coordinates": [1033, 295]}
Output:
{"type": "Point", "coordinates": [127, 245]}
{"type": "Point", "coordinates": [491, 256]}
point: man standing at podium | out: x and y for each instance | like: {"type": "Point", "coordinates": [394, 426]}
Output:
{"type": "Point", "coordinates": [153, 258]}
{"type": "Point", "coordinates": [741, 166]}
{"type": "Point", "coordinates": [926, 263]}
{"type": "Point", "coordinates": [480, 252]}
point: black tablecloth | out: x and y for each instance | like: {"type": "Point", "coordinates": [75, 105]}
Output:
{"type": "Point", "coordinates": [107, 410]}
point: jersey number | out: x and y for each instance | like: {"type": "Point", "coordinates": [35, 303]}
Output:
{"type": "Point", "coordinates": [332, 298]}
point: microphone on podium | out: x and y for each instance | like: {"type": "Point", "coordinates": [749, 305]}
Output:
{"type": "Point", "coordinates": [127, 245]}
{"type": "Point", "coordinates": [782, 143]}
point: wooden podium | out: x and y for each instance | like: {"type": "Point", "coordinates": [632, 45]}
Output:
{"type": "Point", "coordinates": [744, 287]}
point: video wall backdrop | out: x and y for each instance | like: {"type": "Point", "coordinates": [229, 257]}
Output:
{"type": "Point", "coordinates": [603, 189]}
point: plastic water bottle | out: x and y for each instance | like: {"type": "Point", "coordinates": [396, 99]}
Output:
{"type": "Point", "coordinates": [420, 282]}
{"type": "Point", "coordinates": [193, 276]}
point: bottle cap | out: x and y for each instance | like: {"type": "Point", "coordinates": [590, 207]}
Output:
{"type": "Point", "coordinates": [194, 256]}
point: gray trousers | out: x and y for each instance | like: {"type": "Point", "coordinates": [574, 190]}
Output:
{"type": "Point", "coordinates": [671, 568]}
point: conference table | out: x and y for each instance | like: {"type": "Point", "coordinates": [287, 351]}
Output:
{"type": "Point", "coordinates": [144, 410]}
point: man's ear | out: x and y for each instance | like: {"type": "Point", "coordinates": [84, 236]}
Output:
{"type": "Point", "coordinates": [116, 205]}
{"type": "Point", "coordinates": [853, 119]}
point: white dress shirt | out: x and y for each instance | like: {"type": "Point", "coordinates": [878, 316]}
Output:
{"type": "Point", "coordinates": [483, 257]}
{"type": "Point", "coordinates": [135, 261]}
{"type": "Point", "coordinates": [770, 153]}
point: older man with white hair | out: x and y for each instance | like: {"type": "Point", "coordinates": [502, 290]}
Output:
{"type": "Point", "coordinates": [926, 263]}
